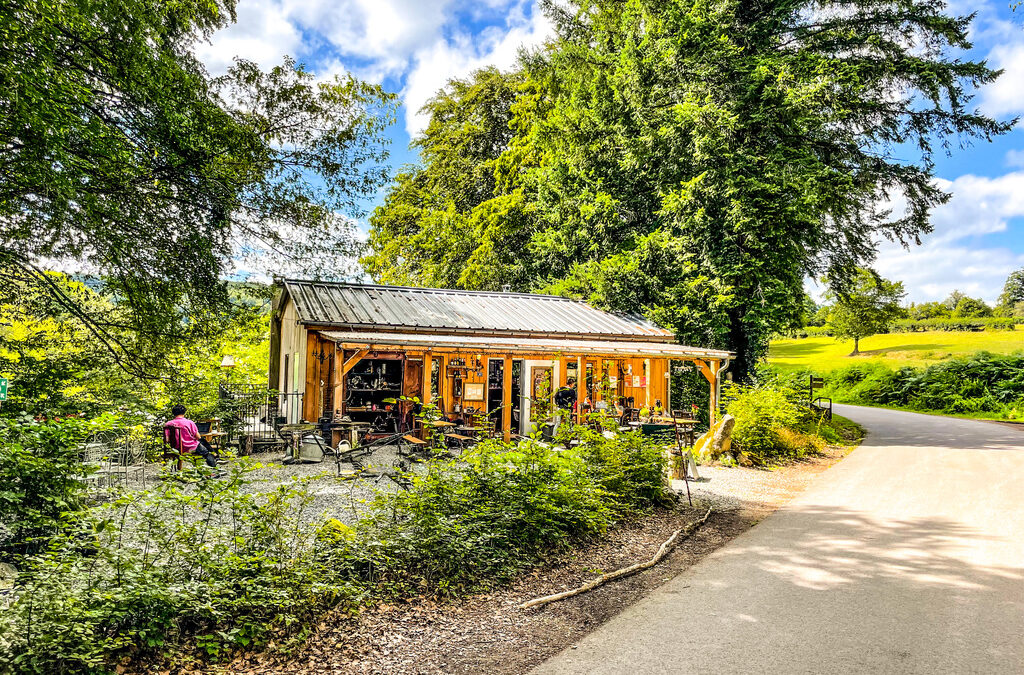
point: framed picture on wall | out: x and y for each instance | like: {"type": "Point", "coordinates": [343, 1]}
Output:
{"type": "Point", "coordinates": [474, 391]}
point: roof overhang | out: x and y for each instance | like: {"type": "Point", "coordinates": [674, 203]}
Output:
{"type": "Point", "coordinates": [508, 345]}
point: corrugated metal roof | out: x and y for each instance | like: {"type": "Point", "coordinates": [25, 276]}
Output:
{"type": "Point", "coordinates": [436, 310]}
{"type": "Point", "coordinates": [376, 340]}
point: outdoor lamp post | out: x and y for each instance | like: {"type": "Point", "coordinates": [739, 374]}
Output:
{"type": "Point", "coordinates": [227, 363]}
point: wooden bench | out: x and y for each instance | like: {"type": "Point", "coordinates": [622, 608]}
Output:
{"type": "Point", "coordinates": [412, 442]}
{"type": "Point", "coordinates": [459, 438]}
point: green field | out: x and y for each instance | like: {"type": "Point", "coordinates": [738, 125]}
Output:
{"type": "Point", "coordinates": [824, 354]}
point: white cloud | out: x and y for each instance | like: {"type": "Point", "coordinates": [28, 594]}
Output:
{"type": "Point", "coordinates": [1005, 96]}
{"type": "Point", "coordinates": [420, 43]}
{"type": "Point", "coordinates": [955, 255]}
{"type": "Point", "coordinates": [462, 54]}
{"type": "Point", "coordinates": [1014, 158]}
{"type": "Point", "coordinates": [263, 34]}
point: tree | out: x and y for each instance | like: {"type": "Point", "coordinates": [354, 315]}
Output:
{"type": "Point", "coordinates": [928, 310]}
{"type": "Point", "coordinates": [122, 157]}
{"type": "Point", "coordinates": [429, 227]}
{"type": "Point", "coordinates": [696, 161]}
{"type": "Point", "coordinates": [1012, 296]}
{"type": "Point", "coordinates": [56, 367]}
{"type": "Point", "coordinates": [971, 308]}
{"type": "Point", "coordinates": [867, 306]}
{"type": "Point", "coordinates": [953, 300]}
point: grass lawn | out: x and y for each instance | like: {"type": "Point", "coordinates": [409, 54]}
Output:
{"type": "Point", "coordinates": [824, 354]}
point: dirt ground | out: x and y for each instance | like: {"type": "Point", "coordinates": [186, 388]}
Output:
{"type": "Point", "coordinates": [489, 633]}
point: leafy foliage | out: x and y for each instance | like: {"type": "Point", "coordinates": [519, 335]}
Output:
{"type": "Point", "coordinates": [987, 384]}
{"type": "Point", "coordinates": [41, 488]}
{"type": "Point", "coordinates": [774, 424]}
{"type": "Point", "coordinates": [868, 306]}
{"type": "Point", "coordinates": [195, 557]}
{"type": "Point", "coordinates": [212, 564]}
{"type": "Point", "coordinates": [56, 366]}
{"type": "Point", "coordinates": [1011, 301]}
{"type": "Point", "coordinates": [648, 158]}
{"type": "Point", "coordinates": [122, 154]}
{"type": "Point", "coordinates": [951, 325]}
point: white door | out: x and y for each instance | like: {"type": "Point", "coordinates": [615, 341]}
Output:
{"type": "Point", "coordinates": [533, 373]}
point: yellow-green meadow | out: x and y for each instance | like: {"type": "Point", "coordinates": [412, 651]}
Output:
{"type": "Point", "coordinates": [824, 354]}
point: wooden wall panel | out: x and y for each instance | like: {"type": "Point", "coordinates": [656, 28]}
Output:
{"type": "Point", "coordinates": [311, 391]}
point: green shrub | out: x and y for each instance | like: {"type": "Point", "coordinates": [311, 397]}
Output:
{"type": "Point", "coordinates": [467, 525]}
{"type": "Point", "coordinates": [202, 563]}
{"type": "Point", "coordinates": [41, 487]}
{"type": "Point", "coordinates": [982, 383]}
{"type": "Point", "coordinates": [761, 413]}
{"type": "Point", "coordinates": [952, 325]}
{"type": "Point", "coordinates": [195, 558]}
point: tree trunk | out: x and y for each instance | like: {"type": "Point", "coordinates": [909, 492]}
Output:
{"type": "Point", "coordinates": [856, 347]}
{"type": "Point", "coordinates": [739, 342]}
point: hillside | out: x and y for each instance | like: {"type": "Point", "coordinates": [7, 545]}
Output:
{"type": "Point", "coordinates": [824, 354]}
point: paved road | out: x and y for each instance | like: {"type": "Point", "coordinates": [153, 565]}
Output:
{"type": "Point", "coordinates": [906, 557]}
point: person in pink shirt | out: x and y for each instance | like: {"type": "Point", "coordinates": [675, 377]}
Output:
{"type": "Point", "coordinates": [182, 434]}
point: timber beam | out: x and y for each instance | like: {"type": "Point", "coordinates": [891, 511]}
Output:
{"type": "Point", "coordinates": [351, 361]}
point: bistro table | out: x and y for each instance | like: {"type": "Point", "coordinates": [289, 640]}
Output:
{"type": "Point", "coordinates": [440, 424]}
{"type": "Point", "coordinates": [686, 426]}
{"type": "Point", "coordinates": [214, 438]}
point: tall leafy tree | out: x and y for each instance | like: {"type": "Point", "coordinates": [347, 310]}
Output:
{"type": "Point", "coordinates": [1011, 301]}
{"type": "Point", "coordinates": [698, 159]}
{"type": "Point", "coordinates": [123, 158]}
{"type": "Point", "coordinates": [867, 306]}
{"type": "Point", "coordinates": [439, 217]}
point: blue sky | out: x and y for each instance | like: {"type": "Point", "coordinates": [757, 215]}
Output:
{"type": "Point", "coordinates": [414, 46]}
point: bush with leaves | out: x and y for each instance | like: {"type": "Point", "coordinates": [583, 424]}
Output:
{"type": "Point", "coordinates": [774, 423]}
{"type": "Point", "coordinates": [987, 384]}
{"type": "Point", "coordinates": [629, 467]}
{"type": "Point", "coordinates": [202, 562]}
{"type": "Point", "coordinates": [41, 480]}
{"type": "Point", "coordinates": [195, 559]}
{"type": "Point", "coordinates": [465, 525]}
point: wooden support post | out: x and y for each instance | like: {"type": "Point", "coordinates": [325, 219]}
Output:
{"type": "Point", "coordinates": [428, 367]}
{"type": "Point", "coordinates": [506, 399]}
{"type": "Point", "coordinates": [713, 380]}
{"type": "Point", "coordinates": [581, 388]}
{"type": "Point", "coordinates": [338, 382]}
{"type": "Point", "coordinates": [311, 385]}
{"type": "Point", "coordinates": [598, 381]}
{"type": "Point", "coordinates": [668, 386]}
{"type": "Point", "coordinates": [442, 382]}
{"type": "Point", "coordinates": [648, 376]}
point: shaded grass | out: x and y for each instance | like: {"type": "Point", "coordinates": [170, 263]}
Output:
{"type": "Point", "coordinates": [895, 350]}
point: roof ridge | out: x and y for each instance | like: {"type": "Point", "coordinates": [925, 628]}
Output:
{"type": "Point", "coordinates": [431, 289]}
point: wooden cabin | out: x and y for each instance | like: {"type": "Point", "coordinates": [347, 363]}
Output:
{"type": "Point", "coordinates": [355, 349]}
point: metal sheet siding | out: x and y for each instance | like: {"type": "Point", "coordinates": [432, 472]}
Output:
{"type": "Point", "coordinates": [341, 304]}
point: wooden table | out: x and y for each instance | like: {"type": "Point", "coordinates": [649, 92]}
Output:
{"type": "Point", "coordinates": [441, 424]}
{"type": "Point", "coordinates": [341, 429]}
{"type": "Point", "coordinates": [213, 438]}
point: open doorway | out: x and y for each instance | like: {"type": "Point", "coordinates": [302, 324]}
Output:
{"type": "Point", "coordinates": [538, 392]}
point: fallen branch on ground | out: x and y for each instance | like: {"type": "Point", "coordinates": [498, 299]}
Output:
{"type": "Point", "coordinates": [625, 571]}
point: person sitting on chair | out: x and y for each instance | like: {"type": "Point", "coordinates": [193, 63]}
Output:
{"type": "Point", "coordinates": [187, 437]}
